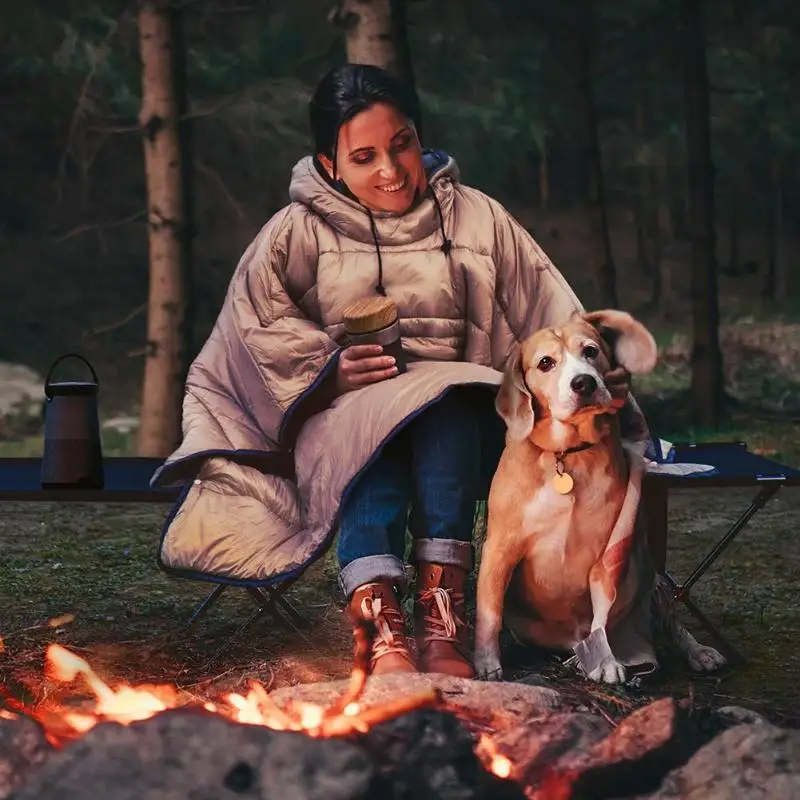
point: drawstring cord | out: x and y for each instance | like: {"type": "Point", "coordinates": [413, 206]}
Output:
{"type": "Point", "coordinates": [379, 287]}
{"type": "Point", "coordinates": [446, 247]}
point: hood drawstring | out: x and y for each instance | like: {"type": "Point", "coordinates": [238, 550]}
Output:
{"type": "Point", "coordinates": [446, 247]}
{"type": "Point", "coordinates": [447, 244]}
{"type": "Point", "coordinates": [379, 287]}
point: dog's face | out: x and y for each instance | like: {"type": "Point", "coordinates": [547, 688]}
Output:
{"type": "Point", "coordinates": [558, 372]}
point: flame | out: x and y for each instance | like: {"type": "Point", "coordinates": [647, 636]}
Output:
{"type": "Point", "coordinates": [125, 704]}
{"type": "Point", "coordinates": [492, 758]}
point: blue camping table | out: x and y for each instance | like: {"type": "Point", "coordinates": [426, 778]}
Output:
{"type": "Point", "coordinates": [735, 467]}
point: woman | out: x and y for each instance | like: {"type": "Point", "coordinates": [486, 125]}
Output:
{"type": "Point", "coordinates": [370, 213]}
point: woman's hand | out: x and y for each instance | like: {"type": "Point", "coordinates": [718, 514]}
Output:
{"type": "Point", "coordinates": [362, 364]}
{"type": "Point", "coordinates": [618, 383]}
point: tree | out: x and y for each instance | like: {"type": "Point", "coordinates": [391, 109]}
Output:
{"type": "Point", "coordinates": [376, 33]}
{"type": "Point", "coordinates": [707, 384]}
{"type": "Point", "coordinates": [162, 391]}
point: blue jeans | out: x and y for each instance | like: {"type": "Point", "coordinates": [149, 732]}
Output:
{"type": "Point", "coordinates": [438, 466]}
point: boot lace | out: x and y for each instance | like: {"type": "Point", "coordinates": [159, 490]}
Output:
{"type": "Point", "coordinates": [385, 642]}
{"type": "Point", "coordinates": [444, 627]}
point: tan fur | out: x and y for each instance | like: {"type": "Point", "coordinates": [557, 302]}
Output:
{"type": "Point", "coordinates": [550, 564]}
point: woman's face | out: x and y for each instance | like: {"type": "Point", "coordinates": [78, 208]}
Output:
{"type": "Point", "coordinates": [379, 157]}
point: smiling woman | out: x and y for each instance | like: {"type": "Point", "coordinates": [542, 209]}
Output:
{"type": "Point", "coordinates": [372, 213]}
{"type": "Point", "coordinates": [366, 141]}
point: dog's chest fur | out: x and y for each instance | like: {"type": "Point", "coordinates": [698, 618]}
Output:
{"type": "Point", "coordinates": [565, 535]}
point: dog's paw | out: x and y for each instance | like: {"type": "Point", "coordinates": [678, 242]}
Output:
{"type": "Point", "coordinates": [488, 667]}
{"type": "Point", "coordinates": [703, 658]}
{"type": "Point", "coordinates": [608, 671]}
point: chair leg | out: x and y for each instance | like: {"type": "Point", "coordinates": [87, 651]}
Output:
{"type": "Point", "coordinates": [268, 597]}
{"type": "Point", "coordinates": [207, 603]}
{"type": "Point", "coordinates": [277, 594]}
{"type": "Point", "coordinates": [233, 638]}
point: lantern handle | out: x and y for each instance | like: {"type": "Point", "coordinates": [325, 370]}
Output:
{"type": "Point", "coordinates": [47, 383]}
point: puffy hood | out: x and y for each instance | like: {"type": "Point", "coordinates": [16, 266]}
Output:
{"type": "Point", "coordinates": [310, 189]}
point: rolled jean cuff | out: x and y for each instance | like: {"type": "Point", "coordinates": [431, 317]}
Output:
{"type": "Point", "coordinates": [370, 569]}
{"type": "Point", "coordinates": [453, 552]}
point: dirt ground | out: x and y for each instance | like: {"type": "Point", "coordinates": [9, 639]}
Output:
{"type": "Point", "coordinates": [98, 563]}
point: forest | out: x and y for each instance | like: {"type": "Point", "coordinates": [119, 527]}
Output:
{"type": "Point", "coordinates": [650, 147]}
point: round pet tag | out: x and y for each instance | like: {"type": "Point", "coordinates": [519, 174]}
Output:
{"type": "Point", "coordinates": [563, 483]}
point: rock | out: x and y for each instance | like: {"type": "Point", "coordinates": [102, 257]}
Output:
{"type": "Point", "coordinates": [190, 754]}
{"type": "Point", "coordinates": [757, 762]}
{"type": "Point", "coordinates": [21, 390]}
{"type": "Point", "coordinates": [736, 715]}
{"type": "Point", "coordinates": [499, 704]}
{"type": "Point", "coordinates": [534, 746]}
{"type": "Point", "coordinates": [632, 758]}
{"type": "Point", "coordinates": [429, 755]}
{"type": "Point", "coordinates": [22, 747]}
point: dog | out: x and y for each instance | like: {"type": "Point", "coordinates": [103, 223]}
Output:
{"type": "Point", "coordinates": [564, 564]}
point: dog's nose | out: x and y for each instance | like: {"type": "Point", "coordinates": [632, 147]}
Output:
{"type": "Point", "coordinates": [584, 385]}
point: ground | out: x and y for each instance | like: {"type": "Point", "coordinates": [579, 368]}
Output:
{"type": "Point", "coordinates": [98, 562]}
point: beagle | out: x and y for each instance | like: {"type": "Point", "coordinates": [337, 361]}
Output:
{"type": "Point", "coordinates": [564, 562]}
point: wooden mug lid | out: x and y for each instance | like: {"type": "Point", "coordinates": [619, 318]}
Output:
{"type": "Point", "coordinates": [368, 315]}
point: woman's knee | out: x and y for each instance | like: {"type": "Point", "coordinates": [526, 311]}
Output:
{"type": "Point", "coordinates": [458, 409]}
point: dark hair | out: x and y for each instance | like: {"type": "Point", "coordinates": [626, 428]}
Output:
{"type": "Point", "coordinates": [348, 90]}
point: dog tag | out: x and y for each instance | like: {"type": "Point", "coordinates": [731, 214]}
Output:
{"type": "Point", "coordinates": [562, 483]}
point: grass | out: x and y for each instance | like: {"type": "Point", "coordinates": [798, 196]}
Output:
{"type": "Point", "coordinates": [98, 562]}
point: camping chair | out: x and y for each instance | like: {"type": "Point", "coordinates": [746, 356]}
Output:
{"type": "Point", "coordinates": [732, 465]}
{"type": "Point", "coordinates": [127, 480]}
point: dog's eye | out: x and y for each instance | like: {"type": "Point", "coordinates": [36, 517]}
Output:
{"type": "Point", "coordinates": [590, 351]}
{"type": "Point", "coordinates": [546, 364]}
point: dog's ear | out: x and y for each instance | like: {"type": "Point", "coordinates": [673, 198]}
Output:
{"type": "Point", "coordinates": [631, 343]}
{"type": "Point", "coordinates": [514, 402]}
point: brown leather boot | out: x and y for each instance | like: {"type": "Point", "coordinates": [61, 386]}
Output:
{"type": "Point", "coordinates": [439, 613]}
{"type": "Point", "coordinates": [378, 602]}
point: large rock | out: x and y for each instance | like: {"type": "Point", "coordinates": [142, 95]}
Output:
{"type": "Point", "coordinates": [22, 748]}
{"type": "Point", "coordinates": [188, 754]}
{"type": "Point", "coordinates": [500, 704]}
{"type": "Point", "coordinates": [747, 762]}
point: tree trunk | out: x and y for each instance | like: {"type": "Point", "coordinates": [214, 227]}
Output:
{"type": "Point", "coordinates": [707, 384]}
{"type": "Point", "coordinates": [376, 32]}
{"type": "Point", "coordinates": [162, 392]}
{"type": "Point", "coordinates": [605, 270]}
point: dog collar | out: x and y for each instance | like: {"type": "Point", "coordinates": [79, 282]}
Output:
{"type": "Point", "coordinates": [577, 449]}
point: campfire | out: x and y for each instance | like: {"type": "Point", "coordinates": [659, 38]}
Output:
{"type": "Point", "coordinates": [125, 704]}
{"type": "Point", "coordinates": [424, 738]}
